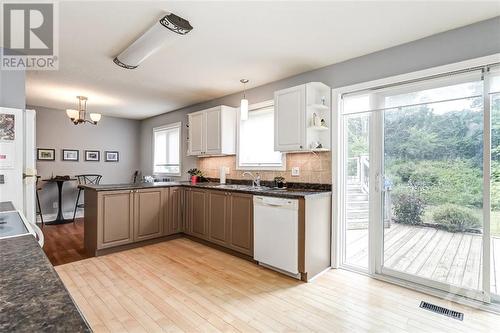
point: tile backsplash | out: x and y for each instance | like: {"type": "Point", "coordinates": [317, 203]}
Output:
{"type": "Point", "coordinates": [314, 168]}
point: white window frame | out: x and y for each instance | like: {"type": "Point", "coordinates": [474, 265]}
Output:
{"type": "Point", "coordinates": [254, 107]}
{"type": "Point", "coordinates": [161, 128]}
{"type": "Point", "coordinates": [337, 204]}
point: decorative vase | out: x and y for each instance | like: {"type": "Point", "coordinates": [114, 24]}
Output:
{"type": "Point", "coordinates": [194, 179]}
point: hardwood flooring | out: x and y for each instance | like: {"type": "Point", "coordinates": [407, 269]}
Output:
{"type": "Point", "coordinates": [64, 242]}
{"type": "Point", "coordinates": [184, 286]}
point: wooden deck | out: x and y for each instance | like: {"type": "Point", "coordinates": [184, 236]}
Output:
{"type": "Point", "coordinates": [454, 258]}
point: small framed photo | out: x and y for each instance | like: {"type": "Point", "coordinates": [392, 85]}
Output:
{"type": "Point", "coordinates": [92, 155]}
{"type": "Point", "coordinates": [70, 155]}
{"type": "Point", "coordinates": [44, 154]}
{"type": "Point", "coordinates": [111, 156]}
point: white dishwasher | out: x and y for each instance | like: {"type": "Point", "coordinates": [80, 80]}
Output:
{"type": "Point", "coordinates": [276, 233]}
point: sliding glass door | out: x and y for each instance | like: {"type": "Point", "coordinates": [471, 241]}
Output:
{"type": "Point", "coordinates": [494, 103]}
{"type": "Point", "coordinates": [416, 182]}
{"type": "Point", "coordinates": [433, 170]}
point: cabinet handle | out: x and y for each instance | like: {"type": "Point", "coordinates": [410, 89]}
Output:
{"type": "Point", "coordinates": [300, 147]}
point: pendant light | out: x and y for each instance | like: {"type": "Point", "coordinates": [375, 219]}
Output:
{"type": "Point", "coordinates": [79, 116]}
{"type": "Point", "coordinates": [244, 102]}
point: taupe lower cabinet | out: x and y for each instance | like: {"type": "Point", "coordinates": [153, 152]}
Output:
{"type": "Point", "coordinates": [174, 209]}
{"type": "Point", "coordinates": [223, 218]}
{"type": "Point", "coordinates": [149, 210]}
{"type": "Point", "coordinates": [116, 218]}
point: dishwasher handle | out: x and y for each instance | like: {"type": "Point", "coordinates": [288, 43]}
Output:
{"type": "Point", "coordinates": [276, 202]}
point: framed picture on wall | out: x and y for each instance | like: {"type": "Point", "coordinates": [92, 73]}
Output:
{"type": "Point", "coordinates": [92, 155]}
{"type": "Point", "coordinates": [111, 156]}
{"type": "Point", "coordinates": [70, 155]}
{"type": "Point", "coordinates": [44, 154]}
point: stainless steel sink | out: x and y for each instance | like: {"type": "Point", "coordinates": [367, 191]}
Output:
{"type": "Point", "coordinates": [229, 186]}
{"type": "Point", "coordinates": [241, 187]}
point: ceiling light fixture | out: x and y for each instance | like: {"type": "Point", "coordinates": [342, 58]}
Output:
{"type": "Point", "coordinates": [244, 102]}
{"type": "Point", "coordinates": [78, 116]}
{"type": "Point", "coordinates": [152, 40]}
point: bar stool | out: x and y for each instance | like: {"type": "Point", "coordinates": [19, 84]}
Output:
{"type": "Point", "coordinates": [39, 207]}
{"type": "Point", "coordinates": [88, 179]}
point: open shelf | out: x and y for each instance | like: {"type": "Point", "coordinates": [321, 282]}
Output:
{"type": "Point", "coordinates": [321, 107]}
{"type": "Point", "coordinates": [318, 128]}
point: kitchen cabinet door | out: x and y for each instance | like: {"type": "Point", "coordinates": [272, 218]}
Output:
{"type": "Point", "coordinates": [175, 208]}
{"type": "Point", "coordinates": [198, 213]}
{"type": "Point", "coordinates": [116, 219]}
{"type": "Point", "coordinates": [148, 222]}
{"type": "Point", "coordinates": [218, 217]}
{"type": "Point", "coordinates": [196, 133]}
{"type": "Point", "coordinates": [213, 131]}
{"type": "Point", "coordinates": [241, 222]}
{"type": "Point", "coordinates": [289, 119]}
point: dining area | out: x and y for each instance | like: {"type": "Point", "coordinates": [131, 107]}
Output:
{"type": "Point", "coordinates": [59, 182]}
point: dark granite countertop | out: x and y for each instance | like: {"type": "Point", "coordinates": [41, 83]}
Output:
{"type": "Point", "coordinates": [291, 193]}
{"type": "Point", "coordinates": [32, 297]}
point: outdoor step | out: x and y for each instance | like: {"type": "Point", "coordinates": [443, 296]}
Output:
{"type": "Point", "coordinates": [359, 204]}
{"type": "Point", "coordinates": [357, 197]}
{"type": "Point", "coordinates": [357, 220]}
{"type": "Point", "coordinates": [356, 213]}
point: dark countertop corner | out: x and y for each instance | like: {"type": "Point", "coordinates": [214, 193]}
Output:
{"type": "Point", "coordinates": [32, 296]}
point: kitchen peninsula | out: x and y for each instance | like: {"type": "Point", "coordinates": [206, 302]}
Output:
{"type": "Point", "coordinates": [221, 215]}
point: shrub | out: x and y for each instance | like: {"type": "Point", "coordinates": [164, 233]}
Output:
{"type": "Point", "coordinates": [455, 218]}
{"type": "Point", "coordinates": [440, 182]}
{"type": "Point", "coordinates": [408, 208]}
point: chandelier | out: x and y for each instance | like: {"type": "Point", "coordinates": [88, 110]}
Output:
{"type": "Point", "coordinates": [79, 116]}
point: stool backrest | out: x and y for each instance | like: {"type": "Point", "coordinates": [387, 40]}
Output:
{"type": "Point", "coordinates": [88, 179]}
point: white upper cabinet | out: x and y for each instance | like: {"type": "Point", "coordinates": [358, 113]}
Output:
{"type": "Point", "coordinates": [196, 134]}
{"type": "Point", "coordinates": [212, 131]}
{"type": "Point", "coordinates": [302, 118]}
{"type": "Point", "coordinates": [289, 119]}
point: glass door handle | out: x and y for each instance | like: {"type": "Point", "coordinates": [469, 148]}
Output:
{"type": "Point", "coordinates": [377, 182]}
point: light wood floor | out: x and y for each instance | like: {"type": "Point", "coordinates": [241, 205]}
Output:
{"type": "Point", "coordinates": [181, 285]}
{"type": "Point", "coordinates": [453, 258]}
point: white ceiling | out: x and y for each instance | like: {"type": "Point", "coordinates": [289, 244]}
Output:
{"type": "Point", "coordinates": [262, 41]}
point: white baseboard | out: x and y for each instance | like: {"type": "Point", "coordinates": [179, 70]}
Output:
{"type": "Point", "coordinates": [67, 215]}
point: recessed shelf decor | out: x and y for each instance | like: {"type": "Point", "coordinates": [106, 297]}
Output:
{"type": "Point", "coordinates": [318, 128]}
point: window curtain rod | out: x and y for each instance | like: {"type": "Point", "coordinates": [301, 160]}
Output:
{"type": "Point", "coordinates": [482, 68]}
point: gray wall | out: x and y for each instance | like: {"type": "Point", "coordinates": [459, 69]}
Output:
{"type": "Point", "coordinates": [476, 40]}
{"type": "Point", "coordinates": [54, 130]}
{"type": "Point", "coordinates": [12, 89]}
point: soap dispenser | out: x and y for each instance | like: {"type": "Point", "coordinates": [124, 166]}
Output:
{"type": "Point", "coordinates": [222, 174]}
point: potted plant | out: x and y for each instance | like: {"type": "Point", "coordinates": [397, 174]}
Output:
{"type": "Point", "coordinates": [195, 174]}
{"type": "Point", "coordinates": [279, 181]}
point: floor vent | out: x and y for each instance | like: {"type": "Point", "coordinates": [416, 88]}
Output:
{"type": "Point", "coordinates": [441, 310]}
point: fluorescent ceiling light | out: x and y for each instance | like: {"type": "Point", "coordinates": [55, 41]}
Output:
{"type": "Point", "coordinates": [167, 29]}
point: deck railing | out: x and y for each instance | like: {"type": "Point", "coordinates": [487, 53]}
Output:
{"type": "Point", "coordinates": [359, 170]}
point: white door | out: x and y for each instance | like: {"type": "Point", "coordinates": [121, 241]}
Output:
{"type": "Point", "coordinates": [213, 131]}
{"type": "Point", "coordinates": [13, 138]}
{"type": "Point", "coordinates": [30, 171]}
{"type": "Point", "coordinates": [196, 133]}
{"type": "Point", "coordinates": [289, 119]}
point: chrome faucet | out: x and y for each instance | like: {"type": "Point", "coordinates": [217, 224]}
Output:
{"type": "Point", "coordinates": [255, 179]}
